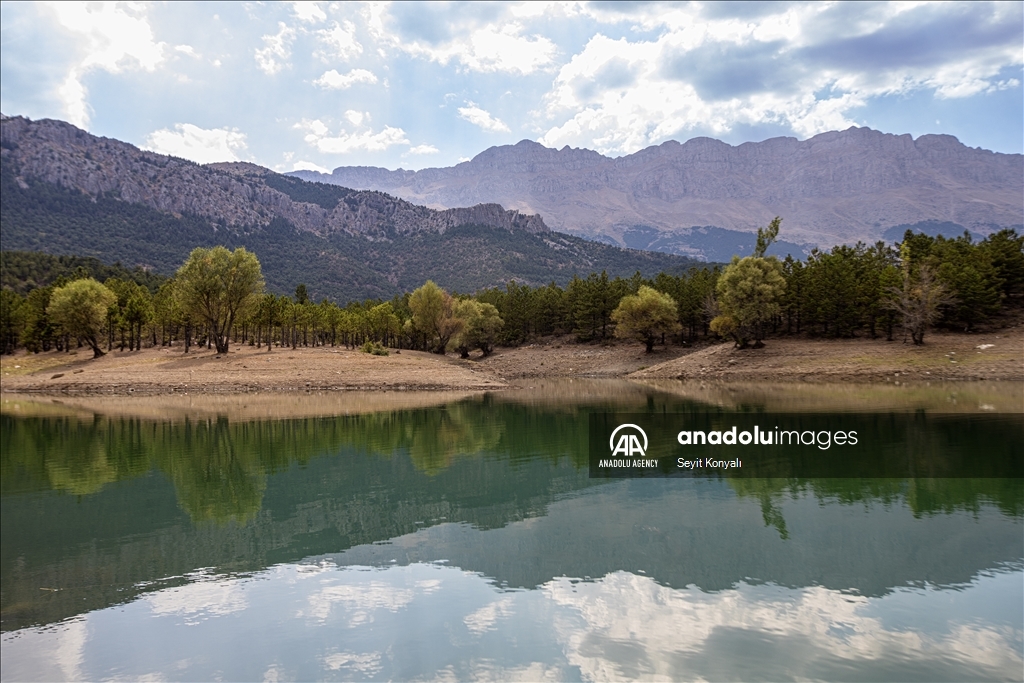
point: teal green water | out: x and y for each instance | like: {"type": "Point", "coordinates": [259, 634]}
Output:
{"type": "Point", "coordinates": [467, 541]}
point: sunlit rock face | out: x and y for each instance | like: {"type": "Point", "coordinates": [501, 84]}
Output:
{"type": "Point", "coordinates": [238, 196]}
{"type": "Point", "coordinates": [836, 187]}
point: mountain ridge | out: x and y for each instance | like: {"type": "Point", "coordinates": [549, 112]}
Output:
{"type": "Point", "coordinates": [66, 192]}
{"type": "Point", "coordinates": [836, 187]}
{"type": "Point", "coordinates": [235, 193]}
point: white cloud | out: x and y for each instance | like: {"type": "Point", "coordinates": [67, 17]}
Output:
{"type": "Point", "coordinates": [335, 81]}
{"type": "Point", "coordinates": [197, 144]}
{"type": "Point", "coordinates": [340, 39]}
{"type": "Point", "coordinates": [114, 37]}
{"type": "Point", "coordinates": [316, 128]}
{"type": "Point", "coordinates": [358, 601]}
{"type": "Point", "coordinates": [277, 49]}
{"type": "Point", "coordinates": [196, 602]}
{"type": "Point", "coordinates": [356, 118]}
{"type": "Point", "coordinates": [318, 135]}
{"type": "Point", "coordinates": [487, 617]}
{"type": "Point", "coordinates": [488, 49]}
{"type": "Point", "coordinates": [806, 67]}
{"type": "Point", "coordinates": [482, 118]}
{"type": "Point", "coordinates": [366, 664]}
{"type": "Point", "coordinates": [423, 149]}
{"type": "Point", "coordinates": [828, 625]}
{"type": "Point", "coordinates": [310, 166]}
{"type": "Point", "coordinates": [187, 50]}
{"type": "Point", "coordinates": [308, 12]}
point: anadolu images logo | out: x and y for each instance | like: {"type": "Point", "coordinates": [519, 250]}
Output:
{"type": "Point", "coordinates": [628, 444]}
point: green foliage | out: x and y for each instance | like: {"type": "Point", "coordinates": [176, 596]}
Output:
{"type": "Point", "coordinates": [12, 320]}
{"type": "Point", "coordinates": [132, 310]}
{"type": "Point", "coordinates": [433, 313]}
{"type": "Point", "coordinates": [766, 236]}
{"type": "Point", "coordinates": [23, 271]}
{"type": "Point", "coordinates": [56, 220]}
{"type": "Point", "coordinates": [1005, 251]}
{"type": "Point", "coordinates": [39, 332]}
{"type": "Point", "coordinates": [480, 327]}
{"type": "Point", "coordinates": [217, 286]}
{"type": "Point", "coordinates": [374, 348]}
{"type": "Point", "coordinates": [321, 194]}
{"type": "Point", "coordinates": [592, 301]}
{"type": "Point", "coordinates": [749, 292]}
{"type": "Point", "coordinates": [646, 316]}
{"type": "Point", "coordinates": [842, 292]}
{"type": "Point", "coordinates": [80, 309]}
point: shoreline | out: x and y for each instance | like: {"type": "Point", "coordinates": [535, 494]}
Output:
{"type": "Point", "coordinates": [167, 371]}
{"type": "Point", "coordinates": [624, 394]}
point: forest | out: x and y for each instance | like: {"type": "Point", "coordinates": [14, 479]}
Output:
{"type": "Point", "coordinates": [878, 291]}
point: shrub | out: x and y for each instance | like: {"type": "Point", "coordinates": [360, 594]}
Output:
{"type": "Point", "coordinates": [374, 348]}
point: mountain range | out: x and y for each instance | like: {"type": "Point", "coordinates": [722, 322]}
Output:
{"type": "Point", "coordinates": [703, 197]}
{"type": "Point", "coordinates": [65, 191]}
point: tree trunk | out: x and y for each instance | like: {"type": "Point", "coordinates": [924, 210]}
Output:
{"type": "Point", "coordinates": [96, 350]}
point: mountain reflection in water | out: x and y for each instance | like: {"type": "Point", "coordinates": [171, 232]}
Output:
{"type": "Point", "coordinates": [466, 540]}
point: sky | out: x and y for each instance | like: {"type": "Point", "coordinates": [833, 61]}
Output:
{"type": "Point", "coordinates": [317, 85]}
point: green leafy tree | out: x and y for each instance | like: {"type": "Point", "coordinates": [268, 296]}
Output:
{"type": "Point", "coordinates": [794, 303]}
{"type": "Point", "coordinates": [216, 285]}
{"type": "Point", "coordinates": [383, 323]}
{"type": "Point", "coordinates": [550, 310]}
{"type": "Point", "coordinates": [749, 292]}
{"type": "Point", "coordinates": [646, 316]}
{"type": "Point", "coordinates": [12, 318]}
{"type": "Point", "coordinates": [39, 330]}
{"type": "Point", "coordinates": [592, 302]}
{"type": "Point", "coordinates": [132, 310]}
{"type": "Point", "coordinates": [1005, 251]}
{"type": "Point", "coordinates": [167, 312]}
{"type": "Point", "coordinates": [765, 237]}
{"type": "Point", "coordinates": [80, 308]}
{"type": "Point", "coordinates": [481, 325]}
{"type": "Point", "coordinates": [967, 273]}
{"type": "Point", "coordinates": [433, 314]}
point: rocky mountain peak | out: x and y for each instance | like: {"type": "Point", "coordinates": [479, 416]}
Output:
{"type": "Point", "coordinates": [835, 187]}
{"type": "Point", "coordinates": [239, 195]}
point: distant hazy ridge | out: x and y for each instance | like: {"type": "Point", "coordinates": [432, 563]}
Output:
{"type": "Point", "coordinates": [835, 187]}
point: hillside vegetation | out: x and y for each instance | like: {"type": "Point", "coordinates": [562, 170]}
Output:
{"type": "Point", "coordinates": [860, 291]}
{"type": "Point", "coordinates": [48, 218]}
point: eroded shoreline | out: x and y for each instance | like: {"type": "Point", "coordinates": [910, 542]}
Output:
{"type": "Point", "coordinates": [996, 356]}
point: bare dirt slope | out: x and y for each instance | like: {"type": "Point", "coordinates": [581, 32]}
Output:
{"type": "Point", "coordinates": [564, 357]}
{"type": "Point", "coordinates": [244, 369]}
{"type": "Point", "coordinates": [944, 356]}
{"type": "Point", "coordinates": [953, 357]}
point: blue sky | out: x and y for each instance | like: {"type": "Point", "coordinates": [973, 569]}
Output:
{"type": "Point", "coordinates": [412, 85]}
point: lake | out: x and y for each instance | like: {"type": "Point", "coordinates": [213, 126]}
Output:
{"type": "Point", "coordinates": [456, 537]}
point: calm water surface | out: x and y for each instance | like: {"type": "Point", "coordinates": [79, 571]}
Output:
{"type": "Point", "coordinates": [466, 540]}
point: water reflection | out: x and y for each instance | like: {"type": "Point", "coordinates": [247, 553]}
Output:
{"type": "Point", "coordinates": [430, 621]}
{"type": "Point", "coordinates": [466, 540]}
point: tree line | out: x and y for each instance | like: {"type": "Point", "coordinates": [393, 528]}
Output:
{"type": "Point", "coordinates": [217, 298]}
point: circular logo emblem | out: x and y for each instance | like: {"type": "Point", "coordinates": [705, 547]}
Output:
{"type": "Point", "coordinates": [628, 444]}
